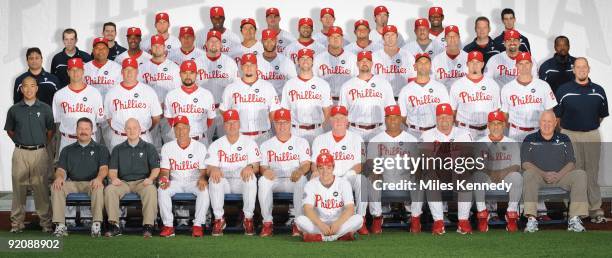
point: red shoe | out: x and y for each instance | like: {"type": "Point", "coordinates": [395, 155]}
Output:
{"type": "Point", "coordinates": [313, 238]}
{"type": "Point", "coordinates": [483, 220]}
{"type": "Point", "coordinates": [167, 232]}
{"type": "Point", "coordinates": [544, 218]}
{"type": "Point", "coordinates": [377, 223]}
{"type": "Point", "coordinates": [197, 231]}
{"type": "Point", "coordinates": [295, 231]}
{"type": "Point", "coordinates": [464, 227]}
{"type": "Point", "coordinates": [249, 229]}
{"type": "Point", "coordinates": [266, 231]}
{"type": "Point", "coordinates": [415, 224]}
{"type": "Point", "coordinates": [438, 227]}
{"type": "Point", "coordinates": [218, 227]}
{"type": "Point", "coordinates": [350, 236]}
{"type": "Point", "coordinates": [511, 221]}
{"type": "Point", "coordinates": [364, 229]}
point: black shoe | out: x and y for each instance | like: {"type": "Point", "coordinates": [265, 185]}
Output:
{"type": "Point", "coordinates": [113, 230]}
{"type": "Point", "coordinates": [147, 230]}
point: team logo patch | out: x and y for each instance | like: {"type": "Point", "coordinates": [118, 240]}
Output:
{"type": "Point", "coordinates": [343, 147]}
{"type": "Point", "coordinates": [443, 40]}
{"type": "Point", "coordinates": [458, 65]}
{"type": "Point", "coordinates": [195, 100]}
{"type": "Point", "coordinates": [313, 86]}
{"type": "Point", "coordinates": [290, 147]}
{"type": "Point", "coordinates": [503, 148]}
{"type": "Point", "coordinates": [256, 90]}
{"type": "Point", "coordinates": [276, 67]}
{"type": "Point", "coordinates": [190, 155]}
{"type": "Point", "coordinates": [239, 148]}
{"type": "Point", "coordinates": [430, 90]}
{"type": "Point", "coordinates": [335, 194]}
{"type": "Point", "coordinates": [165, 69]}
{"type": "Point", "coordinates": [91, 153]}
{"type": "Point", "coordinates": [169, 46]}
{"type": "Point", "coordinates": [105, 72]}
{"type": "Point", "coordinates": [397, 61]}
{"type": "Point", "coordinates": [401, 143]}
{"type": "Point", "coordinates": [430, 52]}
{"type": "Point", "coordinates": [280, 41]}
{"type": "Point", "coordinates": [193, 58]}
{"type": "Point", "coordinates": [342, 61]}
{"type": "Point", "coordinates": [483, 87]}
{"type": "Point", "coordinates": [255, 52]}
{"type": "Point", "coordinates": [136, 95]}
{"type": "Point", "coordinates": [85, 99]}
{"type": "Point", "coordinates": [373, 85]}
{"type": "Point", "coordinates": [140, 154]}
{"type": "Point", "coordinates": [219, 66]}
{"type": "Point", "coordinates": [224, 41]}
{"type": "Point", "coordinates": [532, 90]}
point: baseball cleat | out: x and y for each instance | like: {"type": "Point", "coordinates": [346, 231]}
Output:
{"type": "Point", "coordinates": [197, 231]}
{"type": "Point", "coordinates": [313, 238]}
{"type": "Point", "coordinates": [512, 221]}
{"type": "Point", "coordinates": [350, 236]}
{"type": "Point", "coordinates": [464, 227]}
{"type": "Point", "coordinates": [575, 225]}
{"type": "Point", "coordinates": [415, 224]}
{"type": "Point", "coordinates": [532, 225]}
{"type": "Point", "coordinates": [113, 230]}
{"type": "Point", "coordinates": [483, 220]}
{"type": "Point", "coordinates": [438, 228]}
{"type": "Point", "coordinates": [218, 227]}
{"type": "Point", "coordinates": [249, 229]}
{"type": "Point", "coordinates": [295, 231]}
{"type": "Point", "coordinates": [96, 229]}
{"type": "Point", "coordinates": [377, 223]}
{"type": "Point", "coordinates": [599, 219]}
{"type": "Point", "coordinates": [60, 231]}
{"type": "Point", "coordinates": [167, 232]}
{"type": "Point", "coordinates": [147, 231]}
{"type": "Point", "coordinates": [364, 229]}
{"type": "Point", "coordinates": [267, 229]}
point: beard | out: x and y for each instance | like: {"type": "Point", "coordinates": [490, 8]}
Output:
{"type": "Point", "coordinates": [188, 82]}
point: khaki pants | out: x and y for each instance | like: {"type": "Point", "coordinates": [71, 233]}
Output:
{"type": "Point", "coordinates": [587, 150]}
{"type": "Point", "coordinates": [30, 168]}
{"type": "Point", "coordinates": [575, 181]}
{"type": "Point", "coordinates": [58, 199]}
{"type": "Point", "coordinates": [148, 196]}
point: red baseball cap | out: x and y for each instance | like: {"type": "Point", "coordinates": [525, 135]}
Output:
{"type": "Point", "coordinates": [421, 22]}
{"type": "Point", "coordinates": [338, 110]}
{"type": "Point", "coordinates": [162, 16]}
{"type": "Point", "coordinates": [389, 28]}
{"type": "Point", "coordinates": [100, 40]}
{"type": "Point", "coordinates": [305, 21]}
{"type": "Point", "coordinates": [435, 10]}
{"type": "Point", "coordinates": [231, 114]}
{"type": "Point", "coordinates": [325, 159]}
{"type": "Point", "coordinates": [393, 110]}
{"type": "Point", "coordinates": [189, 65]}
{"type": "Point", "coordinates": [511, 34]}
{"type": "Point", "coordinates": [327, 10]}
{"type": "Point", "coordinates": [134, 31]}
{"type": "Point", "coordinates": [305, 52]}
{"type": "Point", "coordinates": [158, 39]}
{"type": "Point", "coordinates": [475, 55]}
{"type": "Point", "coordinates": [444, 109]}
{"type": "Point", "coordinates": [217, 11]}
{"type": "Point", "coordinates": [380, 9]}
{"type": "Point", "coordinates": [248, 58]}
{"type": "Point", "coordinates": [186, 30]}
{"type": "Point", "coordinates": [451, 28]}
{"type": "Point", "coordinates": [272, 10]}
{"type": "Point", "coordinates": [523, 56]}
{"type": "Point", "coordinates": [362, 22]}
{"type": "Point", "coordinates": [180, 120]}
{"type": "Point", "coordinates": [419, 55]}
{"type": "Point", "coordinates": [76, 62]}
{"type": "Point", "coordinates": [213, 34]}
{"type": "Point", "coordinates": [364, 54]}
{"type": "Point", "coordinates": [334, 30]}
{"type": "Point", "coordinates": [282, 115]}
{"type": "Point", "coordinates": [248, 21]}
{"type": "Point", "coordinates": [497, 116]}
{"type": "Point", "coordinates": [268, 34]}
{"type": "Point", "coordinates": [129, 62]}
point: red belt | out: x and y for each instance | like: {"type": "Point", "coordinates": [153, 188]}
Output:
{"type": "Point", "coordinates": [526, 129]}
{"type": "Point", "coordinates": [421, 128]}
{"type": "Point", "coordinates": [69, 136]}
{"type": "Point", "coordinates": [254, 133]}
{"type": "Point", "coordinates": [479, 128]}
{"type": "Point", "coordinates": [367, 127]}
{"type": "Point", "coordinates": [124, 134]}
{"type": "Point", "coordinates": [216, 106]}
{"type": "Point", "coordinates": [307, 127]}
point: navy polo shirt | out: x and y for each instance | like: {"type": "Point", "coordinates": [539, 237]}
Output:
{"type": "Point", "coordinates": [547, 155]}
{"type": "Point", "coordinates": [59, 64]}
{"type": "Point", "coordinates": [581, 107]}
{"type": "Point", "coordinates": [48, 84]}
{"type": "Point", "coordinates": [499, 42]}
{"type": "Point", "coordinates": [487, 51]}
{"type": "Point", "coordinates": [557, 71]}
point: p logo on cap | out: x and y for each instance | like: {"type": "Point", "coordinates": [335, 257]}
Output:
{"type": "Point", "coordinates": [380, 9]}
{"type": "Point", "coordinates": [217, 11]}
{"type": "Point", "coordinates": [268, 34]}
{"type": "Point", "coordinates": [362, 23]}
{"type": "Point", "coordinates": [186, 30]}
{"type": "Point", "coordinates": [162, 16]}
{"type": "Point", "coordinates": [419, 55]}
{"type": "Point", "coordinates": [282, 115]}
{"type": "Point", "coordinates": [213, 34]}
{"type": "Point", "coordinates": [230, 115]}
{"type": "Point", "coordinates": [393, 110]}
{"type": "Point", "coordinates": [305, 21]}
{"type": "Point", "coordinates": [444, 109]}
{"type": "Point", "coordinates": [248, 58]}
{"type": "Point", "coordinates": [325, 11]}
{"type": "Point", "coordinates": [248, 21]}
{"type": "Point", "coordinates": [451, 28]}
{"type": "Point", "coordinates": [158, 39]}
{"type": "Point", "coordinates": [272, 10]}
{"type": "Point", "coordinates": [389, 28]}
{"type": "Point", "coordinates": [421, 23]}
{"type": "Point", "coordinates": [180, 120]}
{"type": "Point", "coordinates": [334, 30]}
{"type": "Point", "coordinates": [511, 34]}
{"type": "Point", "coordinates": [335, 110]}
{"type": "Point", "coordinates": [129, 62]}
{"type": "Point", "coordinates": [325, 159]}
{"type": "Point", "coordinates": [134, 31]}
{"type": "Point", "coordinates": [305, 52]}
{"type": "Point", "coordinates": [364, 54]}
{"type": "Point", "coordinates": [76, 62]}
{"type": "Point", "coordinates": [523, 56]}
{"type": "Point", "coordinates": [100, 40]}
{"type": "Point", "coordinates": [497, 116]}
{"type": "Point", "coordinates": [189, 65]}
{"type": "Point", "coordinates": [475, 55]}
{"type": "Point", "coordinates": [435, 10]}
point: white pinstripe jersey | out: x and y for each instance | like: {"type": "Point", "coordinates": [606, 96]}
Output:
{"type": "Point", "coordinates": [285, 38]}
{"type": "Point", "coordinates": [366, 100]}
{"type": "Point", "coordinates": [69, 106]}
{"type": "Point", "coordinates": [292, 50]}
{"type": "Point", "coordinates": [336, 70]}
{"type": "Point", "coordinates": [503, 69]}
{"type": "Point", "coordinates": [355, 49]}
{"type": "Point", "coordinates": [253, 103]}
{"type": "Point", "coordinates": [418, 103]}
{"type": "Point", "coordinates": [103, 78]}
{"type": "Point", "coordinates": [171, 43]}
{"type": "Point", "coordinates": [140, 102]}
{"type": "Point", "coordinates": [457, 134]}
{"type": "Point", "coordinates": [141, 57]}
{"type": "Point", "coordinates": [162, 77]}
{"type": "Point", "coordinates": [473, 101]}
{"type": "Point", "coordinates": [396, 69]}
{"type": "Point", "coordinates": [215, 75]}
{"type": "Point", "coordinates": [440, 40]}
{"type": "Point", "coordinates": [184, 164]}
{"type": "Point", "coordinates": [229, 41]}
{"type": "Point", "coordinates": [284, 157]}
{"type": "Point", "coordinates": [432, 49]}
{"type": "Point", "coordinates": [231, 158]}
{"type": "Point", "coordinates": [321, 38]}
{"type": "Point", "coordinates": [277, 72]}
{"type": "Point", "coordinates": [525, 104]}
{"type": "Point", "coordinates": [447, 70]}
{"type": "Point", "coordinates": [306, 100]}
{"type": "Point", "coordinates": [178, 56]}
{"type": "Point", "coordinates": [347, 152]}
{"type": "Point", "coordinates": [197, 106]}
{"type": "Point", "coordinates": [377, 38]}
{"type": "Point", "coordinates": [237, 52]}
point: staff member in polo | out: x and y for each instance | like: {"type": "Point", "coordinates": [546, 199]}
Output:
{"type": "Point", "coordinates": [29, 123]}
{"type": "Point", "coordinates": [82, 167]}
{"type": "Point", "coordinates": [134, 166]}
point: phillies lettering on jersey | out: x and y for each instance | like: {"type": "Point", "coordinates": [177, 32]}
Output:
{"type": "Point", "coordinates": [232, 158]}
{"type": "Point", "coordinates": [503, 154]}
{"type": "Point", "coordinates": [336, 70]}
{"type": "Point", "coordinates": [216, 74]}
{"type": "Point", "coordinates": [347, 152]}
{"type": "Point", "coordinates": [396, 69]}
{"type": "Point", "coordinates": [433, 48]}
{"type": "Point", "coordinates": [171, 43]}
{"type": "Point", "coordinates": [237, 52]}
{"type": "Point", "coordinates": [253, 102]}
{"type": "Point", "coordinates": [162, 77]}
{"type": "Point", "coordinates": [69, 106]}
{"type": "Point", "coordinates": [502, 69]}
{"type": "Point", "coordinates": [139, 102]}
{"type": "Point", "coordinates": [285, 157]}
{"type": "Point", "coordinates": [102, 78]}
{"type": "Point", "coordinates": [184, 164]}
{"type": "Point", "coordinates": [474, 100]}
{"type": "Point", "coordinates": [525, 103]}
{"type": "Point", "coordinates": [277, 71]}
{"type": "Point", "coordinates": [178, 56]}
{"type": "Point", "coordinates": [418, 102]}
{"type": "Point", "coordinates": [366, 100]}
{"type": "Point", "coordinates": [383, 145]}
{"type": "Point", "coordinates": [328, 202]}
{"type": "Point", "coordinates": [447, 70]}
{"type": "Point", "coordinates": [306, 100]}
{"type": "Point", "coordinates": [197, 106]}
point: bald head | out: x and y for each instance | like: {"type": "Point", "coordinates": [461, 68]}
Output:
{"type": "Point", "coordinates": [581, 70]}
{"type": "Point", "coordinates": [548, 122]}
{"type": "Point", "coordinates": [132, 129]}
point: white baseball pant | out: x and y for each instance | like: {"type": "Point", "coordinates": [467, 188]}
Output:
{"type": "Point", "coordinates": [360, 189]}
{"type": "Point", "coordinates": [514, 196]}
{"type": "Point", "coordinates": [353, 224]}
{"type": "Point", "coordinates": [389, 176]}
{"type": "Point", "coordinates": [164, 198]}
{"type": "Point", "coordinates": [248, 190]}
{"type": "Point", "coordinates": [268, 187]}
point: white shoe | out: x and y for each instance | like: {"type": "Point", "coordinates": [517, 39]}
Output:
{"type": "Point", "coordinates": [96, 229]}
{"type": "Point", "coordinates": [60, 231]}
{"type": "Point", "coordinates": [575, 225]}
{"type": "Point", "coordinates": [599, 220]}
{"type": "Point", "coordinates": [532, 225]}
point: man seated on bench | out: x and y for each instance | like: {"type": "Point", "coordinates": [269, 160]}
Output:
{"type": "Point", "coordinates": [82, 167]}
{"type": "Point", "coordinates": [232, 165]}
{"type": "Point", "coordinates": [133, 167]}
{"type": "Point", "coordinates": [548, 160]}
{"type": "Point", "coordinates": [328, 206]}
{"type": "Point", "coordinates": [284, 164]}
{"type": "Point", "coordinates": [183, 171]}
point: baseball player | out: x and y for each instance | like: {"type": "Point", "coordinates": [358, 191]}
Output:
{"type": "Point", "coordinates": [305, 40]}
{"type": "Point", "coordinates": [162, 26]}
{"type": "Point", "coordinates": [162, 75]}
{"type": "Point", "coordinates": [327, 18]}
{"type": "Point", "coordinates": [502, 67]}
{"type": "Point", "coordinates": [75, 101]}
{"type": "Point", "coordinates": [308, 98]}
{"type": "Point", "coordinates": [274, 68]}
{"type": "Point", "coordinates": [188, 50]}
{"type": "Point", "coordinates": [328, 206]}
{"type": "Point", "coordinates": [381, 18]}
{"type": "Point", "coordinates": [509, 19]}
{"type": "Point", "coordinates": [445, 132]}
{"type": "Point", "coordinates": [366, 97]}
{"type": "Point", "coordinates": [474, 96]}
{"type": "Point", "coordinates": [423, 44]}
{"type": "Point", "coordinates": [524, 99]}
{"type": "Point", "coordinates": [335, 65]}
{"type": "Point", "coordinates": [254, 99]}
{"type": "Point", "coordinates": [134, 36]}
{"type": "Point", "coordinates": [285, 162]}
{"type": "Point", "coordinates": [249, 43]}
{"type": "Point", "coordinates": [450, 66]}
{"type": "Point", "coordinates": [183, 170]}
{"type": "Point", "coordinates": [363, 42]}
{"type": "Point", "coordinates": [131, 99]}
{"type": "Point", "coordinates": [285, 38]}
{"type": "Point", "coordinates": [503, 164]}
{"type": "Point", "coordinates": [346, 148]}
{"type": "Point", "coordinates": [215, 71]}
{"type": "Point", "coordinates": [395, 65]}
{"type": "Point", "coordinates": [388, 144]}
{"type": "Point", "coordinates": [232, 165]}
{"type": "Point", "coordinates": [193, 102]}
{"type": "Point", "coordinates": [99, 73]}
{"type": "Point", "coordinates": [418, 99]}
{"type": "Point", "coordinates": [230, 40]}
{"type": "Point", "coordinates": [436, 17]}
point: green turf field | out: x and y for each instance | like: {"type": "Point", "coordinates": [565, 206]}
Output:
{"type": "Point", "coordinates": [392, 243]}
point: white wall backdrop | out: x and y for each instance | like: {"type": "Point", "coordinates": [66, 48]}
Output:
{"type": "Point", "coordinates": [28, 23]}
